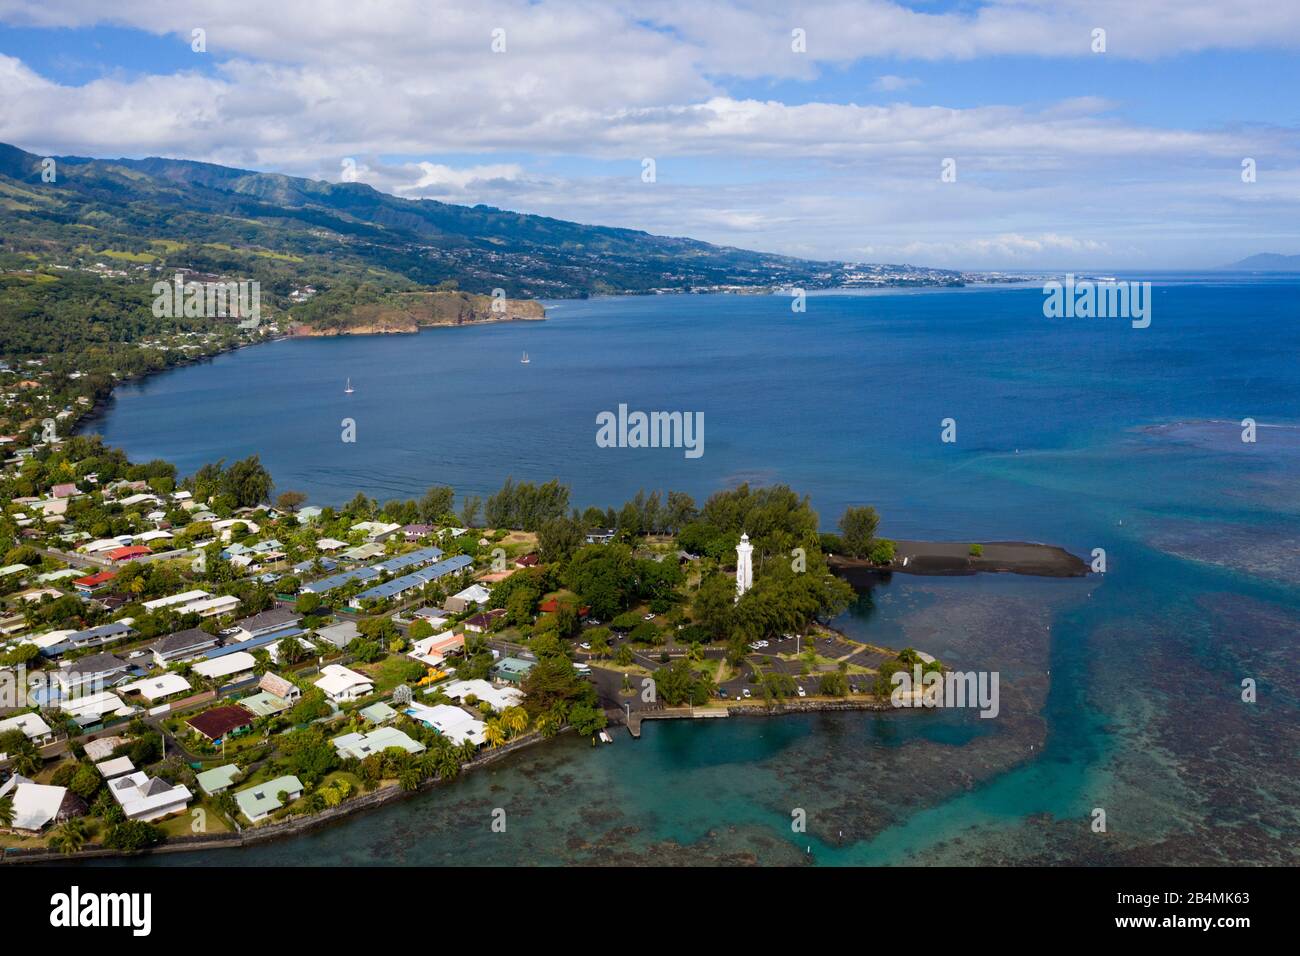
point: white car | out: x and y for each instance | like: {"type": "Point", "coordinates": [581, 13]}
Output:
{"type": "Point", "coordinates": [585, 646]}
{"type": "Point", "coordinates": [745, 692]}
{"type": "Point", "coordinates": [648, 617]}
{"type": "Point", "coordinates": [802, 692]}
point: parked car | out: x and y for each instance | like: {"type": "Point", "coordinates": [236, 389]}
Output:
{"type": "Point", "coordinates": [648, 617]}
{"type": "Point", "coordinates": [585, 645]}
{"type": "Point", "coordinates": [746, 692]}
{"type": "Point", "coordinates": [802, 692]}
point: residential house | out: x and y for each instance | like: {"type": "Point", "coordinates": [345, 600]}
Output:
{"type": "Point", "coordinates": [217, 779]}
{"type": "Point", "coordinates": [90, 637]}
{"type": "Point", "coordinates": [102, 748]}
{"type": "Point", "coordinates": [480, 623]}
{"type": "Point", "coordinates": [129, 553]}
{"type": "Point", "coordinates": [462, 601]}
{"type": "Point", "coordinates": [339, 635]}
{"type": "Point", "coordinates": [216, 723]}
{"type": "Point", "coordinates": [227, 667]}
{"type": "Point", "coordinates": [275, 695]}
{"type": "Point", "coordinates": [377, 530]}
{"type": "Point", "coordinates": [376, 741]}
{"type": "Point", "coordinates": [451, 722]}
{"type": "Point", "coordinates": [512, 669]}
{"type": "Point", "coordinates": [115, 767]}
{"type": "Point", "coordinates": [176, 601]}
{"type": "Point", "coordinates": [91, 672]}
{"type": "Point", "coordinates": [378, 713]}
{"type": "Point", "coordinates": [155, 689]}
{"type": "Point", "coordinates": [94, 583]}
{"type": "Point", "coordinates": [498, 697]}
{"type": "Point", "coordinates": [433, 650]}
{"type": "Point", "coordinates": [268, 622]}
{"type": "Point", "coordinates": [182, 645]}
{"type": "Point", "coordinates": [36, 806]}
{"type": "Point", "coordinates": [343, 685]}
{"type": "Point", "coordinates": [261, 800]}
{"type": "Point", "coordinates": [436, 616]}
{"type": "Point", "coordinates": [32, 725]}
{"type": "Point", "coordinates": [90, 709]}
{"type": "Point", "coordinates": [148, 798]}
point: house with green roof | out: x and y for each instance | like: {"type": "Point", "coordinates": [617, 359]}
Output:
{"type": "Point", "coordinates": [377, 741]}
{"type": "Point", "coordinates": [261, 800]}
{"type": "Point", "coordinates": [379, 713]}
{"type": "Point", "coordinates": [512, 669]}
{"type": "Point", "coordinates": [217, 779]}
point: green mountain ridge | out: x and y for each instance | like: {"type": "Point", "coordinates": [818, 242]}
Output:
{"type": "Point", "coordinates": [230, 220]}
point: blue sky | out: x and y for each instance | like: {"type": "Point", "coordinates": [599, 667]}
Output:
{"type": "Point", "coordinates": [1065, 157]}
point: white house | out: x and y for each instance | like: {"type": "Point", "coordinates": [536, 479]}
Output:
{"type": "Point", "coordinates": [94, 707]}
{"type": "Point", "coordinates": [452, 722]}
{"type": "Point", "coordinates": [473, 595]}
{"type": "Point", "coordinates": [377, 741]}
{"type": "Point", "coordinates": [157, 688]}
{"type": "Point", "coordinates": [36, 805]}
{"type": "Point", "coordinates": [33, 726]}
{"type": "Point", "coordinates": [226, 666]}
{"type": "Point", "coordinates": [376, 530]}
{"type": "Point", "coordinates": [342, 685]}
{"type": "Point", "coordinates": [176, 600]}
{"type": "Point", "coordinates": [499, 697]}
{"type": "Point", "coordinates": [146, 798]}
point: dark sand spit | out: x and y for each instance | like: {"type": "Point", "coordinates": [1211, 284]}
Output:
{"type": "Point", "coordinates": [953, 557]}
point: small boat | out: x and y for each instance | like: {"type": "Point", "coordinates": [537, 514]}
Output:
{"type": "Point", "coordinates": [524, 360]}
{"type": "Point", "coordinates": [606, 738]}
{"type": "Point", "coordinates": [349, 390]}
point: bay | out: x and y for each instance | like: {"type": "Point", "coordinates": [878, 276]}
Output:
{"type": "Point", "coordinates": [1120, 693]}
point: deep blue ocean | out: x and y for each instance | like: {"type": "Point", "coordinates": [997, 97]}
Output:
{"type": "Point", "coordinates": [1121, 693]}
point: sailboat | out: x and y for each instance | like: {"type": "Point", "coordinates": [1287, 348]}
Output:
{"type": "Point", "coordinates": [349, 390]}
{"type": "Point", "coordinates": [524, 360]}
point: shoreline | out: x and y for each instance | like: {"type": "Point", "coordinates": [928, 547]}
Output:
{"type": "Point", "coordinates": [392, 792]}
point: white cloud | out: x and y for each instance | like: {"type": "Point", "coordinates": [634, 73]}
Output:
{"type": "Point", "coordinates": [296, 86]}
{"type": "Point", "coordinates": [889, 83]}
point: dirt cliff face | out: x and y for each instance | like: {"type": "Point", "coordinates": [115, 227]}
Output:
{"type": "Point", "coordinates": [412, 311]}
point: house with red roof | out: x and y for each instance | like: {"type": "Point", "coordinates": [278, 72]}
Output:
{"type": "Point", "coordinates": [94, 582]}
{"type": "Point", "coordinates": [129, 553]}
{"type": "Point", "coordinates": [214, 724]}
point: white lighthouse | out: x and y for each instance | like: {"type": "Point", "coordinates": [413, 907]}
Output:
{"type": "Point", "coordinates": [744, 566]}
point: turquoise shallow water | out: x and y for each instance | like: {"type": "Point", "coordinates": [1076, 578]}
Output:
{"type": "Point", "coordinates": [1121, 692]}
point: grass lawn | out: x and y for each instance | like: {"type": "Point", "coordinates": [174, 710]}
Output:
{"type": "Point", "coordinates": [182, 824]}
{"type": "Point", "coordinates": [390, 672]}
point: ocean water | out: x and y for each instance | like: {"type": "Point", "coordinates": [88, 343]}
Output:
{"type": "Point", "coordinates": [1120, 693]}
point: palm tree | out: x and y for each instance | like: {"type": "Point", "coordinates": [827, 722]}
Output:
{"type": "Point", "coordinates": [515, 720]}
{"type": "Point", "coordinates": [494, 734]}
{"type": "Point", "coordinates": [447, 763]}
{"type": "Point", "coordinates": [69, 837]}
{"type": "Point", "coordinates": [6, 812]}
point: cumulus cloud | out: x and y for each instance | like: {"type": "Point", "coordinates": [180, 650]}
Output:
{"type": "Point", "coordinates": [300, 85]}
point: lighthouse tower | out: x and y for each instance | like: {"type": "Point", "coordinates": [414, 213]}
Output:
{"type": "Point", "coordinates": [744, 566]}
